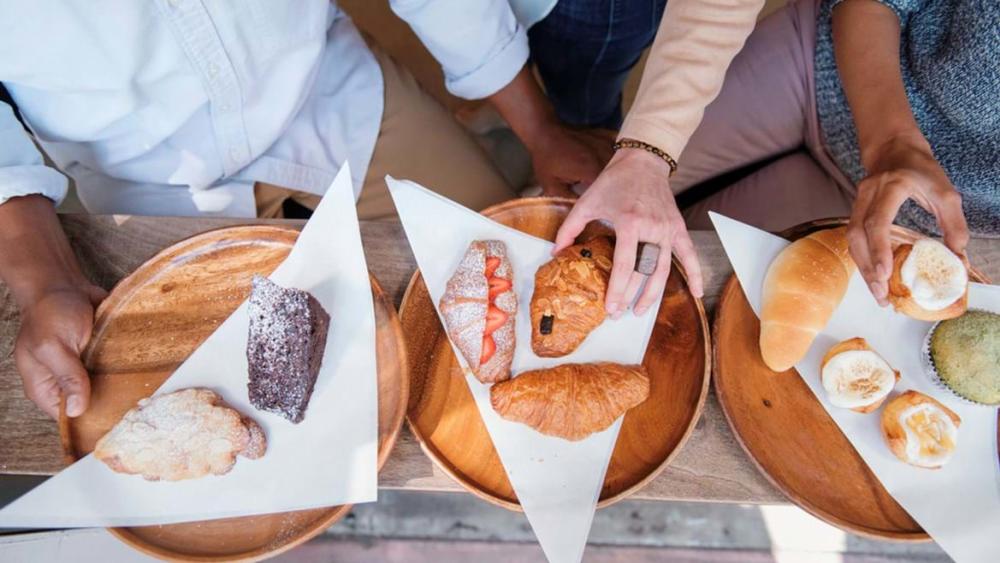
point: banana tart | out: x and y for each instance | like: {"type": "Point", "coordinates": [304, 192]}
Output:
{"type": "Point", "coordinates": [919, 430]}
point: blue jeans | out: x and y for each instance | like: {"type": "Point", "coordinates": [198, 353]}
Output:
{"type": "Point", "coordinates": [584, 50]}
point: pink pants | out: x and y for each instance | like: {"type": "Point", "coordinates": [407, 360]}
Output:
{"type": "Point", "coordinates": [767, 107]}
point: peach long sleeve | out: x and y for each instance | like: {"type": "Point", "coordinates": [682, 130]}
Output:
{"type": "Point", "coordinates": [694, 45]}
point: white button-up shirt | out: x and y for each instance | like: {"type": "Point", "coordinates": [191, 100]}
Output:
{"type": "Point", "coordinates": [176, 107]}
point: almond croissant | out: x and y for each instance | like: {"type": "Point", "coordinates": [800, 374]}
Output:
{"type": "Point", "coordinates": [571, 401]}
{"type": "Point", "coordinates": [568, 302]}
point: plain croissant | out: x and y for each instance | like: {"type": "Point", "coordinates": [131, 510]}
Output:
{"type": "Point", "coordinates": [803, 287]}
{"type": "Point", "coordinates": [571, 401]}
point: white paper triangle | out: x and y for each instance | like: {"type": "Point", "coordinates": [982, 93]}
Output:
{"type": "Point", "coordinates": [557, 482]}
{"type": "Point", "coordinates": [959, 504]}
{"type": "Point", "coordinates": [328, 459]}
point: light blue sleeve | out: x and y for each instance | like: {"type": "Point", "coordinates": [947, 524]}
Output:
{"type": "Point", "coordinates": [479, 43]}
{"type": "Point", "coordinates": [22, 170]}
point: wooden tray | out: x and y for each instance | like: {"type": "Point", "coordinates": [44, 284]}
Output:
{"type": "Point", "coordinates": [444, 417]}
{"type": "Point", "coordinates": [154, 319]}
{"type": "Point", "coordinates": [787, 432]}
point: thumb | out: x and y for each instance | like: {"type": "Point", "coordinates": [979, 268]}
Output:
{"type": "Point", "coordinates": [574, 224]}
{"type": "Point", "coordinates": [96, 294]}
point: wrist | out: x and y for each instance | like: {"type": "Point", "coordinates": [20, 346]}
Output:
{"type": "Point", "coordinates": [640, 158]}
{"type": "Point", "coordinates": [875, 155]}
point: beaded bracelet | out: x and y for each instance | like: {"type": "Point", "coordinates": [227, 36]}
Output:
{"type": "Point", "coordinates": [634, 144]}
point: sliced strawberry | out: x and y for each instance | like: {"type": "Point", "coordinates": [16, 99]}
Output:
{"type": "Point", "coordinates": [494, 320]}
{"type": "Point", "coordinates": [498, 286]}
{"type": "Point", "coordinates": [492, 263]}
{"type": "Point", "coordinates": [489, 348]}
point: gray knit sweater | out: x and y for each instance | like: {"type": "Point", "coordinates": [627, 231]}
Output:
{"type": "Point", "coordinates": [950, 58]}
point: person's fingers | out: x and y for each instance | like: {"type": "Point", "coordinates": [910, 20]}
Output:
{"type": "Point", "coordinates": [621, 270]}
{"type": "Point", "coordinates": [688, 257]}
{"type": "Point", "coordinates": [951, 218]}
{"type": "Point", "coordinates": [574, 223]}
{"type": "Point", "coordinates": [96, 295]}
{"type": "Point", "coordinates": [857, 239]}
{"type": "Point", "coordinates": [631, 289]}
{"type": "Point", "coordinates": [69, 373]}
{"type": "Point", "coordinates": [656, 281]}
{"type": "Point", "coordinates": [39, 384]}
{"type": "Point", "coordinates": [878, 225]}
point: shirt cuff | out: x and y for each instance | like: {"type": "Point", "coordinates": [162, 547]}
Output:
{"type": "Point", "coordinates": [665, 139]}
{"type": "Point", "coordinates": [497, 72]}
{"type": "Point", "coordinates": [32, 179]}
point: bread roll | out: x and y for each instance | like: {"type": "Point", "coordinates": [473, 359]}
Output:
{"type": "Point", "coordinates": [855, 377]}
{"type": "Point", "coordinates": [803, 287]}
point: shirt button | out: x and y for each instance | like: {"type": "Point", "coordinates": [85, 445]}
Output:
{"type": "Point", "coordinates": [213, 69]}
{"type": "Point", "coordinates": [175, 3]}
{"type": "Point", "coordinates": [235, 154]}
{"type": "Point", "coordinates": [224, 108]}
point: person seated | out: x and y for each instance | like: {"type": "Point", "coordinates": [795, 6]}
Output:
{"type": "Point", "coordinates": [191, 108]}
{"type": "Point", "coordinates": [880, 110]}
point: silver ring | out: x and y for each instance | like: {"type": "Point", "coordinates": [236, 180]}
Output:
{"type": "Point", "coordinates": [648, 256]}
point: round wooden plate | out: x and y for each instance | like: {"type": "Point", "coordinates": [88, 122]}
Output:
{"type": "Point", "coordinates": [787, 432]}
{"type": "Point", "coordinates": [154, 319]}
{"type": "Point", "coordinates": [444, 417]}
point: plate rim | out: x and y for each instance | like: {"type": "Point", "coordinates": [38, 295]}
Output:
{"type": "Point", "coordinates": [441, 463]}
{"type": "Point", "coordinates": [793, 233]}
{"type": "Point", "coordinates": [379, 297]}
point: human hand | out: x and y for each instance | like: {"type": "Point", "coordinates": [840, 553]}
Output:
{"type": "Point", "coordinates": [633, 194]}
{"type": "Point", "coordinates": [900, 170]}
{"type": "Point", "coordinates": [563, 157]}
{"type": "Point", "coordinates": [55, 329]}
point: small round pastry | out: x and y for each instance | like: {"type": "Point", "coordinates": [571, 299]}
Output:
{"type": "Point", "coordinates": [919, 430]}
{"type": "Point", "coordinates": [929, 282]}
{"type": "Point", "coordinates": [856, 377]}
{"type": "Point", "coordinates": [964, 356]}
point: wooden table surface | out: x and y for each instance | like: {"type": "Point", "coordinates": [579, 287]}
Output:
{"type": "Point", "coordinates": [711, 467]}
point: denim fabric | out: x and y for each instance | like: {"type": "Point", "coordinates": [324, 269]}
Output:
{"type": "Point", "coordinates": [584, 50]}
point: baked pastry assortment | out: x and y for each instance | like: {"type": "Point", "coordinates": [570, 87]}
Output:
{"type": "Point", "coordinates": [919, 430]}
{"type": "Point", "coordinates": [964, 356]}
{"type": "Point", "coordinates": [929, 282]}
{"type": "Point", "coordinates": [571, 401]}
{"type": "Point", "coordinates": [568, 301]}
{"type": "Point", "coordinates": [802, 288]}
{"type": "Point", "coordinates": [182, 435]}
{"type": "Point", "coordinates": [479, 306]}
{"type": "Point", "coordinates": [288, 330]}
{"type": "Point", "coordinates": [855, 377]}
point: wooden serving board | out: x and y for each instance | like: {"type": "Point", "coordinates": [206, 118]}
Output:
{"type": "Point", "coordinates": [444, 417]}
{"type": "Point", "coordinates": [788, 434]}
{"type": "Point", "coordinates": [151, 323]}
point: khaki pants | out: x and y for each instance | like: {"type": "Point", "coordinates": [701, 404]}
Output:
{"type": "Point", "coordinates": [418, 140]}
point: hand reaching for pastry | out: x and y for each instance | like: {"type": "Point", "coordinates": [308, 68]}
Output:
{"type": "Point", "coordinates": [633, 194]}
{"type": "Point", "coordinates": [899, 171]}
{"type": "Point", "coordinates": [54, 331]}
{"type": "Point", "coordinates": [564, 157]}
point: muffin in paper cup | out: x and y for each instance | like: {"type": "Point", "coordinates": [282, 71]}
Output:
{"type": "Point", "coordinates": [927, 359]}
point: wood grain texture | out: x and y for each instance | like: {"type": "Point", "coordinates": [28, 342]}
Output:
{"type": "Point", "coordinates": [787, 432]}
{"type": "Point", "coordinates": [444, 417]}
{"type": "Point", "coordinates": [151, 323]}
{"type": "Point", "coordinates": [711, 467]}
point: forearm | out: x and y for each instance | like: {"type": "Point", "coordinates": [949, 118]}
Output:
{"type": "Point", "coordinates": [525, 108]}
{"type": "Point", "coordinates": [866, 39]}
{"type": "Point", "coordinates": [35, 256]}
{"type": "Point", "coordinates": [694, 45]}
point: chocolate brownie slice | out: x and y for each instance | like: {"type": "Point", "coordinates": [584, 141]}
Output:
{"type": "Point", "coordinates": [288, 329]}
